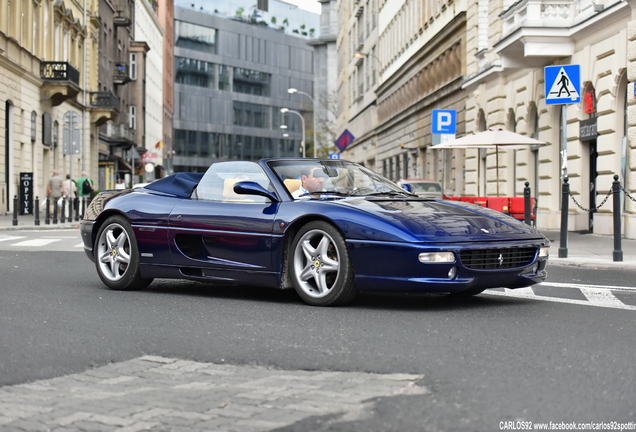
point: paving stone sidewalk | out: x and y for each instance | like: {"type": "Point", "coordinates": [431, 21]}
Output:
{"type": "Point", "coordinates": [166, 394]}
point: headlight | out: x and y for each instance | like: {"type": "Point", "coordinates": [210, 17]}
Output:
{"type": "Point", "coordinates": [544, 252]}
{"type": "Point", "coordinates": [437, 257]}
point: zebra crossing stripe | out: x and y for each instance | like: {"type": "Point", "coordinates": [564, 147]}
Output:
{"type": "Point", "coordinates": [36, 242]}
{"type": "Point", "coordinates": [597, 297]}
{"type": "Point", "coordinates": [579, 286]}
{"type": "Point", "coordinates": [10, 238]}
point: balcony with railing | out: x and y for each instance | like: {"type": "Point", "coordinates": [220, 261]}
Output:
{"type": "Point", "coordinates": [60, 81]}
{"type": "Point", "coordinates": [104, 107]}
{"type": "Point", "coordinates": [117, 134]}
{"type": "Point", "coordinates": [121, 74]}
{"type": "Point", "coordinates": [535, 32]}
{"type": "Point", "coordinates": [122, 16]}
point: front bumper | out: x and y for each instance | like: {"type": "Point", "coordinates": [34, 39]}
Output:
{"type": "Point", "coordinates": [86, 230]}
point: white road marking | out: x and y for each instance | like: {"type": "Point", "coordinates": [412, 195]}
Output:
{"type": "Point", "coordinates": [79, 245]}
{"type": "Point", "coordinates": [603, 298]}
{"type": "Point", "coordinates": [36, 242]}
{"type": "Point", "coordinates": [597, 297]}
{"type": "Point", "coordinates": [579, 286]}
{"type": "Point", "coordinates": [10, 238]}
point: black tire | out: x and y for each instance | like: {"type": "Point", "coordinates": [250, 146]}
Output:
{"type": "Point", "coordinates": [320, 266]}
{"type": "Point", "coordinates": [117, 256]}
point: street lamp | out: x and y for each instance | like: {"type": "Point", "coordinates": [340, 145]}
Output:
{"type": "Point", "coordinates": [292, 91]}
{"type": "Point", "coordinates": [302, 123]}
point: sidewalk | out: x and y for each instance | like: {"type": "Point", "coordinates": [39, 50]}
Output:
{"type": "Point", "coordinates": [27, 222]}
{"type": "Point", "coordinates": [584, 250]}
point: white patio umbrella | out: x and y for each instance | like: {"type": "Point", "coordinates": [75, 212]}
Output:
{"type": "Point", "coordinates": [492, 138]}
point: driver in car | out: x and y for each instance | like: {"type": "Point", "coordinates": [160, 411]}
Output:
{"type": "Point", "coordinates": [312, 179]}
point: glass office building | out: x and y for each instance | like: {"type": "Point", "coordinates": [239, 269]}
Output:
{"type": "Point", "coordinates": [231, 81]}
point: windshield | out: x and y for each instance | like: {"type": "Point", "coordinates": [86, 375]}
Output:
{"type": "Point", "coordinates": [425, 186]}
{"type": "Point", "coordinates": [332, 178]}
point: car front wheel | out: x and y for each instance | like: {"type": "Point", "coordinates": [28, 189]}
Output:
{"type": "Point", "coordinates": [320, 266]}
{"type": "Point", "coordinates": [117, 256]}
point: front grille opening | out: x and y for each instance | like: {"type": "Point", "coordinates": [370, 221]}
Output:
{"type": "Point", "coordinates": [503, 258]}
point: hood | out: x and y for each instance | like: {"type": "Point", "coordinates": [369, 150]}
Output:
{"type": "Point", "coordinates": [428, 220]}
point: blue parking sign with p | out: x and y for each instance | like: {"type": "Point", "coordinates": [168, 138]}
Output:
{"type": "Point", "coordinates": [444, 122]}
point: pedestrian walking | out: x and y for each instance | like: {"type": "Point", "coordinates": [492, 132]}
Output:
{"type": "Point", "coordinates": [84, 186]}
{"type": "Point", "coordinates": [54, 191]}
{"type": "Point", "coordinates": [69, 192]}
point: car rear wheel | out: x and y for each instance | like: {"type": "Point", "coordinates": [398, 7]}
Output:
{"type": "Point", "coordinates": [117, 256]}
{"type": "Point", "coordinates": [320, 265]}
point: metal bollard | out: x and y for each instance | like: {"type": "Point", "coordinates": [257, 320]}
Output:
{"type": "Point", "coordinates": [526, 204]}
{"type": "Point", "coordinates": [70, 209]}
{"type": "Point", "coordinates": [47, 215]}
{"type": "Point", "coordinates": [15, 210]}
{"type": "Point", "coordinates": [55, 210]}
{"type": "Point", "coordinates": [63, 212]}
{"type": "Point", "coordinates": [37, 211]}
{"type": "Point", "coordinates": [617, 254]}
{"type": "Point", "coordinates": [565, 195]}
{"type": "Point", "coordinates": [83, 207]}
{"type": "Point", "coordinates": [77, 208]}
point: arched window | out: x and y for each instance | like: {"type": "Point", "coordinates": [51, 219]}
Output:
{"type": "Point", "coordinates": [34, 120]}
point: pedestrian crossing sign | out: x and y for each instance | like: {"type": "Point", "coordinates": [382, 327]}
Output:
{"type": "Point", "coordinates": [562, 84]}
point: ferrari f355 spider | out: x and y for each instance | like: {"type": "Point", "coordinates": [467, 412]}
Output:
{"type": "Point", "coordinates": [326, 228]}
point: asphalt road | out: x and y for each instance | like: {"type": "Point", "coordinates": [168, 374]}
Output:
{"type": "Point", "coordinates": [484, 360]}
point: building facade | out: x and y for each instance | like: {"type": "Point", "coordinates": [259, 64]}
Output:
{"type": "Point", "coordinates": [48, 73]}
{"type": "Point", "coordinates": [325, 97]}
{"type": "Point", "coordinates": [400, 60]}
{"type": "Point", "coordinates": [231, 81]}
{"type": "Point", "coordinates": [509, 45]}
{"type": "Point", "coordinates": [148, 91]}
{"type": "Point", "coordinates": [166, 19]}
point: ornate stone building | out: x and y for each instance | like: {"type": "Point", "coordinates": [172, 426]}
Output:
{"type": "Point", "coordinates": [48, 74]}
{"type": "Point", "coordinates": [408, 61]}
{"type": "Point", "coordinates": [509, 44]}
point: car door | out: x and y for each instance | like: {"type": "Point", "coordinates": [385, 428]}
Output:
{"type": "Point", "coordinates": [225, 234]}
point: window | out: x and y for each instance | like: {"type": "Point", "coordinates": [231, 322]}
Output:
{"type": "Point", "coordinates": [251, 82]}
{"type": "Point", "coordinates": [56, 127]}
{"type": "Point", "coordinates": [34, 119]}
{"type": "Point", "coordinates": [195, 37]}
{"type": "Point", "coordinates": [133, 66]}
{"type": "Point", "coordinates": [224, 77]}
{"type": "Point", "coordinates": [132, 117]}
{"type": "Point", "coordinates": [194, 72]}
{"type": "Point", "coordinates": [251, 115]}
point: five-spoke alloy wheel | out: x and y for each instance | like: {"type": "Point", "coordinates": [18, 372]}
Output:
{"type": "Point", "coordinates": [117, 257]}
{"type": "Point", "coordinates": [320, 265]}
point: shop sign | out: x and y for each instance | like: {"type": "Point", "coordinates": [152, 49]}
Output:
{"type": "Point", "coordinates": [26, 193]}
{"type": "Point", "coordinates": [587, 130]}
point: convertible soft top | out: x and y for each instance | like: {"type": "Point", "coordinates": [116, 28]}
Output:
{"type": "Point", "coordinates": [180, 184]}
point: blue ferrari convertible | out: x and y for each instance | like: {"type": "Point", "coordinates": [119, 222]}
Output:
{"type": "Point", "coordinates": [327, 228]}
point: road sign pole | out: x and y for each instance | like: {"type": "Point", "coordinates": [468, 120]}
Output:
{"type": "Point", "coordinates": [564, 141]}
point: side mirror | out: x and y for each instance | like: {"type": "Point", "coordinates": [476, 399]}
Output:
{"type": "Point", "coordinates": [253, 188]}
{"type": "Point", "coordinates": [407, 187]}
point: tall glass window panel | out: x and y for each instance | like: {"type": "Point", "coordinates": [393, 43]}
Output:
{"type": "Point", "coordinates": [251, 82]}
{"type": "Point", "coordinates": [194, 72]}
{"type": "Point", "coordinates": [194, 37]}
{"type": "Point", "coordinates": [224, 77]}
{"type": "Point", "coordinates": [179, 142]}
{"type": "Point", "coordinates": [251, 115]}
